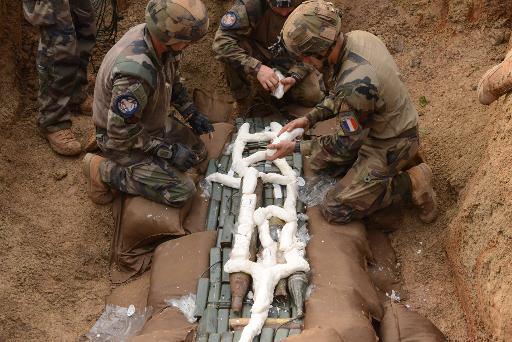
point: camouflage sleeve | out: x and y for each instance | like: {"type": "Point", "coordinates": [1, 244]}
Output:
{"type": "Point", "coordinates": [358, 90]}
{"type": "Point", "coordinates": [341, 147]}
{"type": "Point", "coordinates": [235, 26]}
{"type": "Point", "coordinates": [180, 98]}
{"type": "Point", "coordinates": [129, 97]}
{"type": "Point", "coordinates": [325, 110]}
{"type": "Point", "coordinates": [299, 71]}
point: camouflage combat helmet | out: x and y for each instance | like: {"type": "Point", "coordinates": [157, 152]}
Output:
{"type": "Point", "coordinates": [285, 3]}
{"type": "Point", "coordinates": [174, 21]}
{"type": "Point", "coordinates": [312, 28]}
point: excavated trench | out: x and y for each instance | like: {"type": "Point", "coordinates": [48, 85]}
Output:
{"type": "Point", "coordinates": [442, 49]}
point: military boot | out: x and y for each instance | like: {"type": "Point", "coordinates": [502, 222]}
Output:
{"type": "Point", "coordinates": [495, 82]}
{"type": "Point", "coordinates": [64, 142]}
{"type": "Point", "coordinates": [423, 195]}
{"type": "Point", "coordinates": [98, 191]}
{"type": "Point", "coordinates": [91, 145]}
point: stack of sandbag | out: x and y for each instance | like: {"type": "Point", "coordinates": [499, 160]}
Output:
{"type": "Point", "coordinates": [141, 224]}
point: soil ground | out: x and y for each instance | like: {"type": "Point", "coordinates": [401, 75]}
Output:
{"type": "Point", "coordinates": [55, 242]}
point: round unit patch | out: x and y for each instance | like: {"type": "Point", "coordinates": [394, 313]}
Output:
{"type": "Point", "coordinates": [126, 105]}
{"type": "Point", "coordinates": [228, 20]}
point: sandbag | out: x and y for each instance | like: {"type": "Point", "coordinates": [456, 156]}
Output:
{"type": "Point", "coordinates": [215, 144]}
{"type": "Point", "coordinates": [196, 220]}
{"type": "Point", "coordinates": [169, 319]}
{"type": "Point", "coordinates": [383, 268]}
{"type": "Point", "coordinates": [134, 292]}
{"type": "Point", "coordinates": [140, 226]}
{"type": "Point", "coordinates": [317, 334]}
{"type": "Point", "coordinates": [177, 265]}
{"type": "Point", "coordinates": [343, 296]}
{"type": "Point", "coordinates": [216, 107]}
{"type": "Point", "coordinates": [403, 325]}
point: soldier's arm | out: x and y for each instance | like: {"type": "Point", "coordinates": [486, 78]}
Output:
{"type": "Point", "coordinates": [235, 26]}
{"type": "Point", "coordinates": [299, 71]}
{"type": "Point", "coordinates": [356, 101]}
{"type": "Point", "coordinates": [180, 98]}
{"type": "Point", "coordinates": [324, 110]}
{"type": "Point", "coordinates": [345, 142]}
{"type": "Point", "coordinates": [124, 131]}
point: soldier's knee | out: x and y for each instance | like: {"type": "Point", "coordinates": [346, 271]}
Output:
{"type": "Point", "coordinates": [337, 212]}
{"type": "Point", "coordinates": [177, 195]}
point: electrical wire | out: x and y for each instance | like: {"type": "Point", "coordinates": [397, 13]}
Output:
{"type": "Point", "coordinates": [107, 18]}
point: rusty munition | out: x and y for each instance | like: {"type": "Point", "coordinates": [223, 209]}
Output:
{"type": "Point", "coordinates": [297, 284]}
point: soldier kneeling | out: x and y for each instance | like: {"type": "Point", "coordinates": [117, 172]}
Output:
{"type": "Point", "coordinates": [148, 152]}
{"type": "Point", "coordinates": [377, 141]}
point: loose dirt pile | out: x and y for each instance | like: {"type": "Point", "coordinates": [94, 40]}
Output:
{"type": "Point", "coordinates": [55, 242]}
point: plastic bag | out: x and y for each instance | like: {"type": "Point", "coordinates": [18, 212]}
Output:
{"type": "Point", "coordinates": [315, 189]}
{"type": "Point", "coordinates": [186, 304]}
{"type": "Point", "coordinates": [118, 324]}
{"type": "Point", "coordinates": [206, 187]}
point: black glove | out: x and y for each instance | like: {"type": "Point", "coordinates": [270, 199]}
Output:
{"type": "Point", "coordinates": [199, 123]}
{"type": "Point", "coordinates": [178, 155]}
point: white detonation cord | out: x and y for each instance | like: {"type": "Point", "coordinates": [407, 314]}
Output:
{"type": "Point", "coordinates": [266, 272]}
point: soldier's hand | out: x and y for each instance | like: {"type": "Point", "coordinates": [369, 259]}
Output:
{"type": "Point", "coordinates": [297, 123]}
{"type": "Point", "coordinates": [267, 78]}
{"type": "Point", "coordinates": [288, 82]}
{"type": "Point", "coordinates": [182, 157]}
{"type": "Point", "coordinates": [200, 124]}
{"type": "Point", "coordinates": [283, 149]}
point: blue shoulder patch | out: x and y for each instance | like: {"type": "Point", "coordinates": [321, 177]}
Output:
{"type": "Point", "coordinates": [126, 105]}
{"type": "Point", "coordinates": [229, 20]}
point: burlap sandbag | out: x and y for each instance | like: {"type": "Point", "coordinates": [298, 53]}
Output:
{"type": "Point", "coordinates": [134, 292]}
{"type": "Point", "coordinates": [140, 226]}
{"type": "Point", "coordinates": [215, 143]}
{"type": "Point", "coordinates": [343, 296]}
{"type": "Point", "coordinates": [196, 220]}
{"type": "Point", "coordinates": [383, 268]}
{"type": "Point", "coordinates": [403, 325]}
{"type": "Point", "coordinates": [177, 265]}
{"type": "Point", "coordinates": [216, 107]}
{"type": "Point", "coordinates": [316, 334]}
{"type": "Point", "coordinates": [169, 319]}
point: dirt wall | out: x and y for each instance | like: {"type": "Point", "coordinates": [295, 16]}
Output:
{"type": "Point", "coordinates": [479, 244]}
{"type": "Point", "coordinates": [10, 36]}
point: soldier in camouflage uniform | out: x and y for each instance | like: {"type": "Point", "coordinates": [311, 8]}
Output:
{"type": "Point", "coordinates": [148, 152]}
{"type": "Point", "coordinates": [242, 44]}
{"type": "Point", "coordinates": [377, 140]}
{"type": "Point", "coordinates": [67, 37]}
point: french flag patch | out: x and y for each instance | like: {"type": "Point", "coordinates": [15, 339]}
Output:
{"type": "Point", "coordinates": [349, 124]}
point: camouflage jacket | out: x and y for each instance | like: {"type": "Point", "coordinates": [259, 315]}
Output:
{"type": "Point", "coordinates": [255, 22]}
{"type": "Point", "coordinates": [367, 91]}
{"type": "Point", "coordinates": [133, 94]}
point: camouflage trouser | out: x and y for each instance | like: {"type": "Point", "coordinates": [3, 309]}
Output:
{"type": "Point", "coordinates": [307, 92]}
{"type": "Point", "coordinates": [371, 171]}
{"type": "Point", "coordinates": [67, 37]}
{"type": "Point", "coordinates": [154, 178]}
